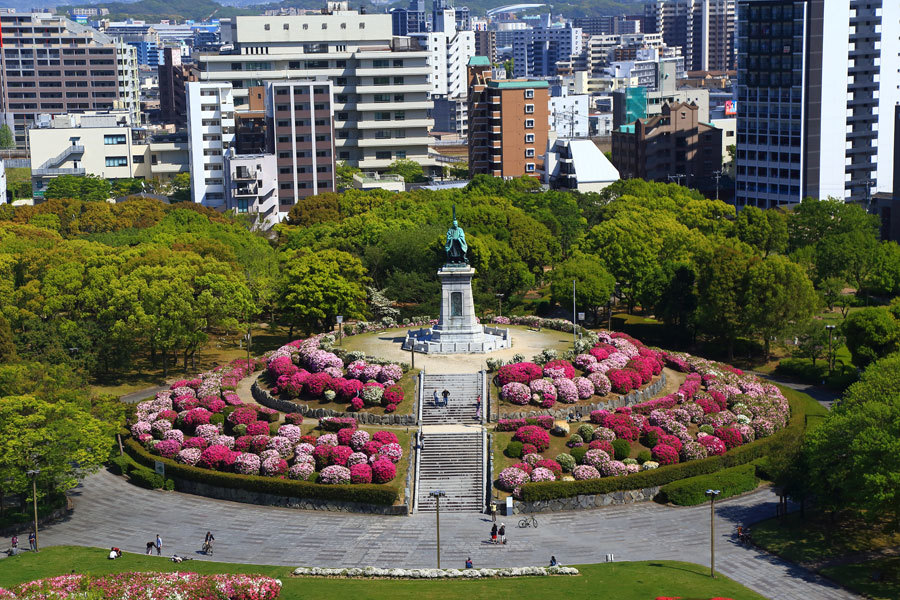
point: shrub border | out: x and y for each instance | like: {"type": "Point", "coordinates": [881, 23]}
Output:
{"type": "Point", "coordinates": [801, 407]}
{"type": "Point", "coordinates": [354, 498]}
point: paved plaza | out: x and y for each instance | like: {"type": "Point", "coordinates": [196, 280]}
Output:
{"type": "Point", "coordinates": [111, 512]}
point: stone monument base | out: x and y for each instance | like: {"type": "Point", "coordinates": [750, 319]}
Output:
{"type": "Point", "coordinates": [488, 339]}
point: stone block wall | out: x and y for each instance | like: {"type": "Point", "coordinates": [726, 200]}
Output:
{"type": "Point", "coordinates": [586, 501]}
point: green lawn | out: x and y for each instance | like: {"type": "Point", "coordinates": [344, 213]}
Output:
{"type": "Point", "coordinates": [877, 579]}
{"type": "Point", "coordinates": [622, 581]}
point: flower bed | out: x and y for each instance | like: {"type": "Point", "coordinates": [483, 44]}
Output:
{"type": "Point", "coordinates": [377, 573]}
{"type": "Point", "coordinates": [718, 411]}
{"type": "Point", "coordinates": [186, 586]}
{"type": "Point", "coordinates": [607, 362]}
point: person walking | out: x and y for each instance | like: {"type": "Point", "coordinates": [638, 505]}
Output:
{"type": "Point", "coordinates": [437, 401]}
{"type": "Point", "coordinates": [478, 408]}
{"type": "Point", "coordinates": [502, 533]}
{"type": "Point", "coordinates": [469, 563]}
{"type": "Point", "coordinates": [15, 542]}
{"type": "Point", "coordinates": [494, 534]}
{"type": "Point", "coordinates": [446, 396]}
{"type": "Point", "coordinates": [158, 545]}
{"type": "Point", "coordinates": [493, 512]}
{"type": "Point", "coordinates": [32, 541]}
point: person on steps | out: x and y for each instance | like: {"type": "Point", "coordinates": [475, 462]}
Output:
{"type": "Point", "coordinates": [446, 396]}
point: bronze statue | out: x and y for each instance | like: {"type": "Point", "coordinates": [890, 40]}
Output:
{"type": "Point", "coordinates": [455, 245]}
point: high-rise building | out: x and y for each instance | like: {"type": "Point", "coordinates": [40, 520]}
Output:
{"type": "Point", "coordinates": [300, 133]}
{"type": "Point", "coordinates": [172, 77]}
{"type": "Point", "coordinates": [705, 30]}
{"type": "Point", "coordinates": [508, 123]}
{"type": "Point", "coordinates": [53, 65]}
{"type": "Point", "coordinates": [607, 25]}
{"type": "Point", "coordinates": [537, 50]}
{"type": "Point", "coordinates": [817, 87]}
{"type": "Point", "coordinates": [380, 82]}
{"type": "Point", "coordinates": [405, 21]}
{"type": "Point", "coordinates": [140, 35]}
{"type": "Point", "coordinates": [486, 44]}
{"type": "Point", "coordinates": [210, 116]}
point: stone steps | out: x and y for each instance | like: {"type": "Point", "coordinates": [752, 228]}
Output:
{"type": "Point", "coordinates": [464, 390]}
{"type": "Point", "coordinates": [454, 464]}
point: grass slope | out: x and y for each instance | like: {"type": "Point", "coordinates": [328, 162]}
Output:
{"type": "Point", "coordinates": [622, 581]}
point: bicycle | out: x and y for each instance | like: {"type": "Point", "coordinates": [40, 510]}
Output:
{"type": "Point", "coordinates": [529, 521]}
{"type": "Point", "coordinates": [208, 548]}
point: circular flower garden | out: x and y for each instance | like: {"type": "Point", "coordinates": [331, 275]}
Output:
{"type": "Point", "coordinates": [614, 363]}
{"type": "Point", "coordinates": [715, 409]}
{"type": "Point", "coordinates": [202, 422]}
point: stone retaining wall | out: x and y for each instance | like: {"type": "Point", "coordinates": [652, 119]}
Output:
{"type": "Point", "coordinates": [587, 501]}
{"type": "Point", "coordinates": [250, 497]}
{"type": "Point", "coordinates": [23, 528]}
{"type": "Point", "coordinates": [286, 406]}
{"type": "Point", "coordinates": [633, 397]}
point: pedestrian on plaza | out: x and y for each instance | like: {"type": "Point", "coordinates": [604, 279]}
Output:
{"type": "Point", "coordinates": [158, 545]}
{"type": "Point", "coordinates": [553, 562]}
{"type": "Point", "coordinates": [493, 512]}
{"type": "Point", "coordinates": [502, 533]}
{"type": "Point", "coordinates": [494, 534]}
{"type": "Point", "coordinates": [32, 541]}
{"type": "Point", "coordinates": [15, 541]}
{"type": "Point", "coordinates": [150, 547]}
{"type": "Point", "coordinates": [446, 396]}
{"type": "Point", "coordinates": [469, 563]}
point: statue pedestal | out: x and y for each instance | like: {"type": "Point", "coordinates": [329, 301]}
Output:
{"type": "Point", "coordinates": [457, 331]}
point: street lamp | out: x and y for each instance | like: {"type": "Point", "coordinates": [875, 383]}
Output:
{"type": "Point", "coordinates": [340, 322]}
{"type": "Point", "coordinates": [33, 474]}
{"type": "Point", "coordinates": [712, 540]}
{"type": "Point", "coordinates": [437, 495]}
{"type": "Point", "coordinates": [500, 301]}
{"type": "Point", "coordinates": [830, 329]}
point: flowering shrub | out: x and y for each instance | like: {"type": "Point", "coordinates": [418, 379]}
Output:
{"type": "Point", "coordinates": [392, 451]}
{"type": "Point", "coordinates": [534, 435]}
{"type": "Point", "coordinates": [350, 388]}
{"type": "Point", "coordinates": [301, 471]}
{"type": "Point", "coordinates": [258, 428]}
{"type": "Point", "coordinates": [213, 457]}
{"type": "Point", "coordinates": [582, 472]}
{"type": "Point", "coordinates": [357, 458]}
{"type": "Point", "coordinates": [582, 361]}
{"type": "Point", "coordinates": [339, 455]}
{"type": "Point", "coordinates": [595, 458]}
{"type": "Point", "coordinates": [335, 474]}
{"type": "Point", "coordinates": [194, 417]}
{"type": "Point", "coordinates": [551, 465]}
{"type": "Point", "coordinates": [604, 445]}
{"type": "Point", "coordinates": [566, 391]}
{"type": "Point", "coordinates": [604, 434]}
{"type": "Point", "coordinates": [542, 474]}
{"type": "Point", "coordinates": [602, 385]}
{"type": "Point", "coordinates": [167, 448]}
{"type": "Point", "coordinates": [196, 442]}
{"type": "Point", "coordinates": [693, 451]}
{"type": "Point", "coordinates": [584, 387]}
{"type": "Point", "coordinates": [511, 478]}
{"type": "Point", "coordinates": [385, 437]}
{"type": "Point", "coordinates": [327, 439]}
{"type": "Point", "coordinates": [516, 393]}
{"type": "Point", "coordinates": [391, 372]}
{"type": "Point", "coordinates": [613, 468]}
{"type": "Point", "coordinates": [344, 435]}
{"type": "Point", "coordinates": [242, 415]}
{"type": "Point", "coordinates": [521, 372]}
{"type": "Point", "coordinates": [291, 432]}
{"type": "Point", "coordinates": [559, 368]}
{"type": "Point", "coordinates": [664, 454]}
{"type": "Point", "coordinates": [361, 473]}
{"type": "Point", "coordinates": [274, 466]}
{"type": "Point", "coordinates": [188, 456]}
{"type": "Point", "coordinates": [280, 444]}
{"type": "Point", "coordinates": [357, 404]}
{"type": "Point", "coordinates": [730, 436]}
{"type": "Point", "coordinates": [545, 391]}
{"type": "Point", "coordinates": [383, 471]}
{"type": "Point", "coordinates": [714, 446]}
{"type": "Point", "coordinates": [372, 393]}
{"type": "Point", "coordinates": [371, 447]}
{"type": "Point", "coordinates": [566, 462]}
{"type": "Point", "coordinates": [392, 395]}
{"type": "Point", "coordinates": [359, 439]}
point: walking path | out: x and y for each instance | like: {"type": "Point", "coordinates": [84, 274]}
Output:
{"type": "Point", "coordinates": [109, 511]}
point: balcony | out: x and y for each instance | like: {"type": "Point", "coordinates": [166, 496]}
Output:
{"type": "Point", "coordinates": [394, 124]}
{"type": "Point", "coordinates": [51, 172]}
{"type": "Point", "coordinates": [245, 189]}
{"type": "Point", "coordinates": [398, 142]}
{"type": "Point", "coordinates": [243, 174]}
{"type": "Point", "coordinates": [394, 89]}
{"type": "Point", "coordinates": [384, 106]}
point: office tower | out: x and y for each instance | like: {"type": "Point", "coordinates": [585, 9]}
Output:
{"type": "Point", "coordinates": [537, 50]}
{"type": "Point", "coordinates": [380, 82]}
{"type": "Point", "coordinates": [817, 87]}
{"type": "Point", "coordinates": [210, 116]}
{"type": "Point", "coordinates": [608, 25]}
{"type": "Point", "coordinates": [172, 77]}
{"type": "Point", "coordinates": [53, 65]}
{"type": "Point", "coordinates": [486, 44]}
{"type": "Point", "coordinates": [704, 29]}
{"type": "Point", "coordinates": [405, 21]}
{"type": "Point", "coordinates": [300, 133]}
{"type": "Point", "coordinates": [508, 123]}
{"type": "Point", "coordinates": [140, 35]}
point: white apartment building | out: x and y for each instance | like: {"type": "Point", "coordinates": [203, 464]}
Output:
{"type": "Point", "coordinates": [251, 187]}
{"type": "Point", "coordinates": [818, 121]}
{"type": "Point", "coordinates": [569, 114]}
{"type": "Point", "coordinates": [210, 117]}
{"type": "Point", "coordinates": [380, 82]}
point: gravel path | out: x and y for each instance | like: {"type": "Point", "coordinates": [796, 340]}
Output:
{"type": "Point", "coordinates": [109, 511]}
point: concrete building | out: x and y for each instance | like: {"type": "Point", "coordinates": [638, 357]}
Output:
{"type": "Point", "coordinates": [300, 133]}
{"type": "Point", "coordinates": [449, 53]}
{"type": "Point", "coordinates": [568, 113]}
{"type": "Point", "coordinates": [486, 44]}
{"type": "Point", "coordinates": [606, 25]}
{"type": "Point", "coordinates": [508, 123]}
{"type": "Point", "coordinates": [648, 71]}
{"type": "Point", "coordinates": [600, 50]}
{"type": "Point", "coordinates": [537, 50]}
{"type": "Point", "coordinates": [378, 181]}
{"type": "Point", "coordinates": [210, 117]}
{"type": "Point", "coordinates": [634, 102]}
{"type": "Point", "coordinates": [251, 187]}
{"type": "Point", "coordinates": [173, 76]}
{"type": "Point", "coordinates": [106, 145]}
{"type": "Point", "coordinates": [53, 65]}
{"type": "Point", "coordinates": [577, 165]}
{"type": "Point", "coordinates": [380, 82]}
{"type": "Point", "coordinates": [814, 118]}
{"type": "Point", "coordinates": [140, 35]}
{"type": "Point", "coordinates": [406, 21]}
{"type": "Point", "coordinates": [673, 146]}
{"type": "Point", "coordinates": [705, 29]}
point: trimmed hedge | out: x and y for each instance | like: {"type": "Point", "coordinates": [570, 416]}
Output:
{"type": "Point", "coordinates": [365, 494]}
{"type": "Point", "coordinates": [801, 407]}
{"type": "Point", "coordinates": [692, 491]}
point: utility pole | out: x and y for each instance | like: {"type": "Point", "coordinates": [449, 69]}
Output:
{"type": "Point", "coordinates": [33, 474]}
{"type": "Point", "coordinates": [437, 495]}
{"type": "Point", "coordinates": [717, 175]}
{"type": "Point", "coordinates": [712, 528]}
{"type": "Point", "coordinates": [830, 329]}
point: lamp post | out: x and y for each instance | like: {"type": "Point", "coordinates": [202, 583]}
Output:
{"type": "Point", "coordinates": [437, 495]}
{"type": "Point", "coordinates": [830, 329]}
{"type": "Point", "coordinates": [340, 322]}
{"type": "Point", "coordinates": [500, 301]}
{"type": "Point", "coordinates": [33, 474]}
{"type": "Point", "coordinates": [712, 527]}
{"type": "Point", "coordinates": [574, 319]}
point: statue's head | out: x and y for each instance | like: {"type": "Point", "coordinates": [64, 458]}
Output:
{"type": "Point", "coordinates": [455, 223]}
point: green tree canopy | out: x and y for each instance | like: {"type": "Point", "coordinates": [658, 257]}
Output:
{"type": "Point", "coordinates": [593, 284]}
{"type": "Point", "coordinates": [88, 188]}
{"type": "Point", "coordinates": [871, 333]}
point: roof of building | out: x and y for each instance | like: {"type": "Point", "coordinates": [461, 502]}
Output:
{"type": "Point", "coordinates": [517, 84]}
{"type": "Point", "coordinates": [629, 128]}
{"type": "Point", "coordinates": [591, 165]}
{"type": "Point", "coordinates": [479, 61]}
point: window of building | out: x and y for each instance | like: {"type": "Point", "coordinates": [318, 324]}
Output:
{"type": "Point", "coordinates": [382, 98]}
{"type": "Point", "coordinates": [398, 97]}
{"type": "Point", "coordinates": [382, 116]}
{"type": "Point", "coordinates": [137, 159]}
{"type": "Point", "coordinates": [116, 161]}
{"type": "Point", "coordinates": [400, 115]}
{"type": "Point", "coordinates": [114, 140]}
{"type": "Point", "coordinates": [380, 64]}
{"type": "Point", "coordinates": [529, 123]}
{"type": "Point", "coordinates": [529, 152]}
{"type": "Point", "coordinates": [529, 109]}
{"type": "Point", "coordinates": [286, 26]}
{"type": "Point", "coordinates": [266, 27]}
{"type": "Point", "coordinates": [383, 155]}
{"type": "Point", "coordinates": [529, 94]}
{"type": "Point", "coordinates": [398, 81]}
{"type": "Point", "coordinates": [529, 167]}
{"type": "Point", "coordinates": [529, 138]}
{"type": "Point", "coordinates": [381, 81]}
{"type": "Point", "coordinates": [400, 154]}
{"type": "Point", "coordinates": [398, 63]}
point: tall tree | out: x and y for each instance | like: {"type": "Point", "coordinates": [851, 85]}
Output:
{"type": "Point", "coordinates": [6, 137]}
{"type": "Point", "coordinates": [871, 333]}
{"type": "Point", "coordinates": [722, 288]}
{"type": "Point", "coordinates": [593, 284]}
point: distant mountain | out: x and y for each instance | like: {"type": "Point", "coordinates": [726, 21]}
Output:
{"type": "Point", "coordinates": [154, 10]}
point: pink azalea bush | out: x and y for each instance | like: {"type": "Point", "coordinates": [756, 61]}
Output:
{"type": "Point", "coordinates": [582, 472]}
{"type": "Point", "coordinates": [335, 474]}
{"type": "Point", "coordinates": [522, 372]}
{"type": "Point", "coordinates": [534, 435]}
{"type": "Point", "coordinates": [511, 478]}
{"type": "Point", "coordinates": [383, 471]}
{"type": "Point", "coordinates": [516, 393]}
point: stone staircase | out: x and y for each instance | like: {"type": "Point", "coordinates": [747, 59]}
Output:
{"type": "Point", "coordinates": [464, 390]}
{"type": "Point", "coordinates": [452, 462]}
